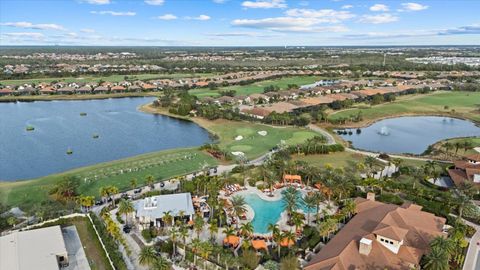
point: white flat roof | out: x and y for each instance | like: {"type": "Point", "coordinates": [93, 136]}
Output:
{"type": "Point", "coordinates": [165, 203]}
{"type": "Point", "coordinates": [34, 249]}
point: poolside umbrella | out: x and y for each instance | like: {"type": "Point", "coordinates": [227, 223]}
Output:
{"type": "Point", "coordinates": [259, 244]}
{"type": "Point", "coordinates": [231, 240]}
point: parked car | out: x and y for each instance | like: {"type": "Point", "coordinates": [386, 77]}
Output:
{"type": "Point", "coordinates": [127, 229]}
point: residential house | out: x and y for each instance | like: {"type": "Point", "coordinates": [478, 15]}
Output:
{"type": "Point", "coordinates": [380, 236]}
{"type": "Point", "coordinates": [6, 92]}
{"type": "Point", "coordinates": [101, 90]}
{"type": "Point", "coordinates": [84, 90]}
{"type": "Point", "coordinates": [466, 170]}
{"type": "Point", "coordinates": [66, 90]}
{"type": "Point", "coordinates": [118, 89]}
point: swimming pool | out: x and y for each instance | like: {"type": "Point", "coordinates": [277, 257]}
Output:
{"type": "Point", "coordinates": [267, 212]}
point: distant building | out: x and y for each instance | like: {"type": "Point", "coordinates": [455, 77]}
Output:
{"type": "Point", "coordinates": [35, 249]}
{"type": "Point", "coordinates": [150, 211]}
{"type": "Point", "coordinates": [380, 236]}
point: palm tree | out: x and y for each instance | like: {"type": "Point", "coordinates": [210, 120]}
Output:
{"type": "Point", "coordinates": [86, 202]}
{"type": "Point", "coordinates": [289, 262]}
{"type": "Point", "coordinates": [462, 202]}
{"type": "Point", "coordinates": [318, 198]}
{"type": "Point", "coordinates": [436, 260]}
{"type": "Point", "coordinates": [276, 236]}
{"type": "Point", "coordinates": [196, 244]}
{"type": "Point", "coordinates": [150, 180]}
{"type": "Point", "coordinates": [133, 183]}
{"type": "Point", "coordinates": [238, 206]}
{"type": "Point", "coordinates": [444, 245]}
{"type": "Point", "coordinates": [184, 234]}
{"type": "Point", "coordinates": [206, 249]}
{"type": "Point", "coordinates": [289, 237]}
{"type": "Point", "coordinates": [349, 207]}
{"type": "Point", "coordinates": [124, 208]}
{"type": "Point", "coordinates": [297, 220]}
{"type": "Point", "coordinates": [213, 229]}
{"type": "Point", "coordinates": [167, 218]}
{"type": "Point", "coordinates": [228, 231]}
{"type": "Point", "coordinates": [174, 232]}
{"type": "Point", "coordinates": [246, 230]}
{"type": "Point", "coordinates": [147, 256]}
{"type": "Point", "coordinates": [198, 224]}
{"type": "Point", "coordinates": [290, 197]}
{"type": "Point", "coordinates": [310, 204]}
{"type": "Point", "coordinates": [161, 264]}
{"type": "Point", "coordinates": [370, 164]}
{"type": "Point", "coordinates": [108, 192]}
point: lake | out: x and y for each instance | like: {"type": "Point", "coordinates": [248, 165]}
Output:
{"type": "Point", "coordinates": [410, 134]}
{"type": "Point", "coordinates": [122, 131]}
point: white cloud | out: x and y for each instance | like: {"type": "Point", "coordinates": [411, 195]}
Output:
{"type": "Point", "coordinates": [379, 7]}
{"type": "Point", "coordinates": [199, 18]}
{"type": "Point", "coordinates": [322, 15]}
{"type": "Point", "coordinates": [29, 25]}
{"type": "Point", "coordinates": [379, 19]}
{"type": "Point", "coordinates": [413, 6]}
{"type": "Point", "coordinates": [167, 17]}
{"type": "Point", "coordinates": [30, 35]}
{"type": "Point", "coordinates": [87, 30]}
{"type": "Point", "coordinates": [264, 4]}
{"type": "Point", "coordinates": [288, 24]}
{"type": "Point", "coordinates": [114, 13]}
{"type": "Point", "coordinates": [97, 2]}
{"type": "Point", "coordinates": [154, 2]}
{"type": "Point", "coordinates": [347, 6]}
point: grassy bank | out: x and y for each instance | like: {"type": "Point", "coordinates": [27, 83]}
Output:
{"type": "Point", "coordinates": [257, 87]}
{"type": "Point", "coordinates": [457, 104]}
{"type": "Point", "coordinates": [111, 78]}
{"type": "Point", "coordinates": [161, 165]}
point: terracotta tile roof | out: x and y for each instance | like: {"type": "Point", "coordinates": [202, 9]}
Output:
{"type": "Point", "coordinates": [408, 223]}
{"type": "Point", "coordinates": [475, 157]}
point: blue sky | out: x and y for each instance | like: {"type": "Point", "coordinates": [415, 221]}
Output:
{"type": "Point", "coordinates": [239, 22]}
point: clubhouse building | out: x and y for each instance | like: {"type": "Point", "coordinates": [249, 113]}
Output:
{"type": "Point", "coordinates": [149, 212]}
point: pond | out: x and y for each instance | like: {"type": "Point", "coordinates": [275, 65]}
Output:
{"type": "Point", "coordinates": [412, 134]}
{"type": "Point", "coordinates": [93, 131]}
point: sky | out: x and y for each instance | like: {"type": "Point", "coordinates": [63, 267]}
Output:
{"type": "Point", "coordinates": [239, 22]}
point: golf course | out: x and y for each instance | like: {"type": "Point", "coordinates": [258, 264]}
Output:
{"type": "Point", "coordinates": [457, 104]}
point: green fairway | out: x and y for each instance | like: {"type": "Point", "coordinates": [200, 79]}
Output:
{"type": "Point", "coordinates": [257, 87]}
{"type": "Point", "coordinates": [252, 143]}
{"type": "Point", "coordinates": [162, 165]}
{"type": "Point", "coordinates": [461, 152]}
{"type": "Point", "coordinates": [464, 104]}
{"type": "Point", "coordinates": [111, 78]}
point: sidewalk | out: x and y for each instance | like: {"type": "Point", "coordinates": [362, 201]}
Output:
{"type": "Point", "coordinates": [473, 248]}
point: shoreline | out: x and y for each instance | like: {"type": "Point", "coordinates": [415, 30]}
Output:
{"type": "Point", "coordinates": [13, 99]}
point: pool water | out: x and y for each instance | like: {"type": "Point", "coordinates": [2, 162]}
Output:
{"type": "Point", "coordinates": [267, 212]}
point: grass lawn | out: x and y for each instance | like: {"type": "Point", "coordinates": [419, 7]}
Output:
{"type": "Point", "coordinates": [162, 165]}
{"type": "Point", "coordinates": [464, 104]}
{"type": "Point", "coordinates": [254, 144]}
{"type": "Point", "coordinates": [336, 160]}
{"type": "Point", "coordinates": [111, 78]}
{"type": "Point", "coordinates": [257, 87]}
{"type": "Point", "coordinates": [345, 159]}
{"type": "Point", "coordinates": [95, 254]}
{"type": "Point", "coordinates": [461, 152]}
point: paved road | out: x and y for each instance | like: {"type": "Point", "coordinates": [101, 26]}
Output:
{"type": "Point", "coordinates": [471, 262]}
{"type": "Point", "coordinates": [326, 134]}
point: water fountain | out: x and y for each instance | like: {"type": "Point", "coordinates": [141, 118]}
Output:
{"type": "Point", "coordinates": [384, 131]}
